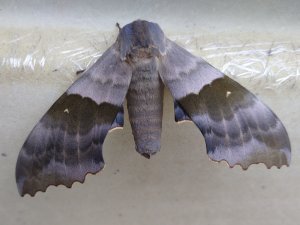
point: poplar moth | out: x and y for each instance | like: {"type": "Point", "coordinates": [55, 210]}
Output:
{"type": "Point", "coordinates": [66, 143]}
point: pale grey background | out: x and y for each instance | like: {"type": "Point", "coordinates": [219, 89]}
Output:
{"type": "Point", "coordinates": [43, 43]}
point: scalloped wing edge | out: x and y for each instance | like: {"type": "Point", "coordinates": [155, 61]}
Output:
{"type": "Point", "coordinates": [67, 186]}
{"type": "Point", "coordinates": [247, 167]}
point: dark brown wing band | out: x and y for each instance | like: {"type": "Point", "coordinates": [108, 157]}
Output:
{"type": "Point", "coordinates": [237, 127]}
{"type": "Point", "coordinates": [66, 144]}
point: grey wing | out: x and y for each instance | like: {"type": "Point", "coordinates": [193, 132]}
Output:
{"type": "Point", "coordinates": [66, 143]}
{"type": "Point", "coordinates": [236, 125]}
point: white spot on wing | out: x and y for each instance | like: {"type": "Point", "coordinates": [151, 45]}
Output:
{"type": "Point", "coordinates": [228, 93]}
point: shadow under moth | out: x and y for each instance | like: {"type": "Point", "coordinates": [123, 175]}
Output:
{"type": "Point", "coordinates": [66, 143]}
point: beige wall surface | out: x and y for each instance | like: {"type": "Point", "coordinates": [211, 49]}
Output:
{"type": "Point", "coordinates": [44, 43]}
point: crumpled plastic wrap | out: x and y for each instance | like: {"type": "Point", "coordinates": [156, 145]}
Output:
{"type": "Point", "coordinates": [277, 62]}
{"type": "Point", "coordinates": [270, 64]}
{"type": "Point", "coordinates": [264, 61]}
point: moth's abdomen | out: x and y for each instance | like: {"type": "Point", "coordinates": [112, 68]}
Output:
{"type": "Point", "coordinates": [145, 105]}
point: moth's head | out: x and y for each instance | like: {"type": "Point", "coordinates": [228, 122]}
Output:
{"type": "Point", "coordinates": [141, 39]}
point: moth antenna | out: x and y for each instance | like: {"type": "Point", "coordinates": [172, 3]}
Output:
{"type": "Point", "coordinates": [118, 26]}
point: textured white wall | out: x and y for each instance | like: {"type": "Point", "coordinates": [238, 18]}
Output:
{"type": "Point", "coordinates": [43, 43]}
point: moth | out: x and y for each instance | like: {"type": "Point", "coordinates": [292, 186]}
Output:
{"type": "Point", "coordinates": [66, 143]}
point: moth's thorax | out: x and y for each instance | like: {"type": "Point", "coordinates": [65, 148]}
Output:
{"type": "Point", "coordinates": [148, 66]}
{"type": "Point", "coordinates": [141, 39]}
{"type": "Point", "coordinates": [136, 54]}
